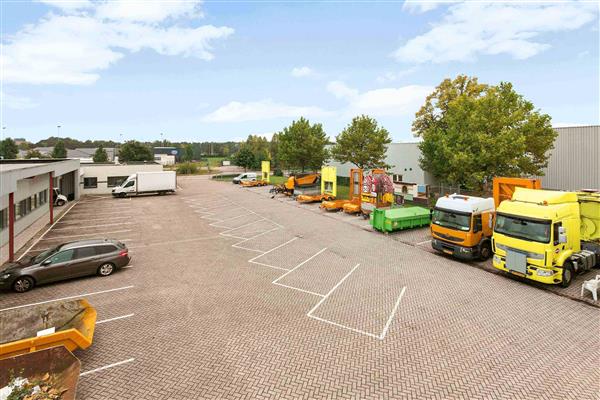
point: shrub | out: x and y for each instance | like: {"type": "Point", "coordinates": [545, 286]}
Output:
{"type": "Point", "coordinates": [187, 168]}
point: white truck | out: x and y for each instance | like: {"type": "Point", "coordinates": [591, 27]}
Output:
{"type": "Point", "coordinates": [147, 182]}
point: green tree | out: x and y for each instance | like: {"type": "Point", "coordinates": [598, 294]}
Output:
{"type": "Point", "coordinates": [259, 146]}
{"type": "Point", "coordinates": [472, 132]}
{"type": "Point", "coordinates": [59, 150]}
{"type": "Point", "coordinates": [100, 156]}
{"type": "Point", "coordinates": [188, 153]}
{"type": "Point", "coordinates": [302, 145]}
{"type": "Point", "coordinates": [8, 149]}
{"type": "Point", "coordinates": [133, 150]}
{"type": "Point", "coordinates": [244, 158]}
{"type": "Point", "coordinates": [33, 153]}
{"type": "Point", "coordinates": [362, 143]}
{"type": "Point", "coordinates": [274, 151]}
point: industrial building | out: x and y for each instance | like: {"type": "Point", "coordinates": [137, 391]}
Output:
{"type": "Point", "coordinates": [574, 162]}
{"type": "Point", "coordinates": [101, 178]}
{"type": "Point", "coordinates": [27, 195]}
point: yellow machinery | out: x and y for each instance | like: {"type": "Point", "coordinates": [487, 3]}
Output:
{"type": "Point", "coordinates": [353, 195]}
{"type": "Point", "coordinates": [328, 187]}
{"type": "Point", "coordinates": [265, 178]}
{"type": "Point", "coordinates": [296, 182]}
{"type": "Point", "coordinates": [67, 323]}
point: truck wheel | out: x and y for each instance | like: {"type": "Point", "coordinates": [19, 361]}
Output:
{"type": "Point", "coordinates": [485, 252]}
{"type": "Point", "coordinates": [567, 274]}
{"type": "Point", "coordinates": [122, 195]}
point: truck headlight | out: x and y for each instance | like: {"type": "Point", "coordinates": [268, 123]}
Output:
{"type": "Point", "coordinates": [535, 256]}
{"type": "Point", "coordinates": [545, 272]}
{"type": "Point", "coordinates": [497, 259]}
{"type": "Point", "coordinates": [465, 249]}
{"type": "Point", "coordinates": [501, 247]}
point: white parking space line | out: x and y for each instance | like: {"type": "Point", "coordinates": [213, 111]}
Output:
{"type": "Point", "coordinates": [107, 367]}
{"type": "Point", "coordinates": [92, 226]}
{"type": "Point", "coordinates": [47, 230]}
{"type": "Point", "coordinates": [237, 245]}
{"type": "Point", "coordinates": [226, 232]}
{"type": "Point", "coordinates": [87, 234]}
{"type": "Point", "coordinates": [389, 321]}
{"type": "Point", "coordinates": [309, 314]}
{"type": "Point", "coordinates": [91, 220]}
{"type": "Point", "coordinates": [252, 260]}
{"type": "Point", "coordinates": [426, 241]}
{"type": "Point", "coordinates": [176, 241]}
{"type": "Point", "coordinates": [115, 318]}
{"type": "Point", "coordinates": [299, 265]}
{"type": "Point", "coordinates": [216, 224]}
{"type": "Point", "coordinates": [69, 297]}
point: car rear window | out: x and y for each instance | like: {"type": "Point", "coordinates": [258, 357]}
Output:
{"type": "Point", "coordinates": [84, 252]}
{"type": "Point", "coordinates": [106, 248]}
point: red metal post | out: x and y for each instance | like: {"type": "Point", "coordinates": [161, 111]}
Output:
{"type": "Point", "coordinates": [11, 227]}
{"type": "Point", "coordinates": [51, 198]}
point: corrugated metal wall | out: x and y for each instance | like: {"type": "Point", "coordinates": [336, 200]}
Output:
{"type": "Point", "coordinates": [575, 161]}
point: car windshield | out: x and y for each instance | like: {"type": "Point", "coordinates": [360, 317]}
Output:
{"type": "Point", "coordinates": [523, 228]}
{"type": "Point", "coordinates": [42, 256]}
{"type": "Point", "coordinates": [452, 219]}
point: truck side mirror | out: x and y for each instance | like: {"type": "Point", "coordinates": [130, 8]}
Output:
{"type": "Point", "coordinates": [490, 221]}
{"type": "Point", "coordinates": [562, 235]}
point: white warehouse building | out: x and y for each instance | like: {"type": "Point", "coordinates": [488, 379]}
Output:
{"type": "Point", "coordinates": [26, 196]}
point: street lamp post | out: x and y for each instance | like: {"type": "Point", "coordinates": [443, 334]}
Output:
{"type": "Point", "coordinates": [58, 130]}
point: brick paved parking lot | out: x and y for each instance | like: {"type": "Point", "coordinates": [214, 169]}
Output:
{"type": "Point", "coordinates": [232, 294]}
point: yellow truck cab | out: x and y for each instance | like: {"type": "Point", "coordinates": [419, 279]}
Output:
{"type": "Point", "coordinates": [462, 226]}
{"type": "Point", "coordinates": [547, 236]}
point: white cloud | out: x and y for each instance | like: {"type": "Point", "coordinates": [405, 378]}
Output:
{"type": "Point", "coordinates": [420, 6]}
{"type": "Point", "coordinates": [148, 10]}
{"type": "Point", "coordinates": [68, 6]}
{"type": "Point", "coordinates": [74, 48]}
{"type": "Point", "coordinates": [16, 102]}
{"type": "Point", "coordinates": [236, 111]}
{"type": "Point", "coordinates": [512, 28]}
{"type": "Point", "coordinates": [394, 76]}
{"type": "Point", "coordinates": [299, 72]}
{"type": "Point", "coordinates": [404, 100]}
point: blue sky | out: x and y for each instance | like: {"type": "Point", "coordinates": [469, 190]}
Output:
{"type": "Point", "coordinates": [201, 71]}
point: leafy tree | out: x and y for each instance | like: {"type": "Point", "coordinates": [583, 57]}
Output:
{"type": "Point", "coordinates": [259, 146]}
{"type": "Point", "coordinates": [472, 132]}
{"type": "Point", "coordinates": [59, 150]}
{"type": "Point", "coordinates": [100, 155]}
{"type": "Point", "coordinates": [133, 150]}
{"type": "Point", "coordinates": [188, 153]}
{"type": "Point", "coordinates": [33, 153]}
{"type": "Point", "coordinates": [302, 145]}
{"type": "Point", "coordinates": [244, 158]}
{"type": "Point", "coordinates": [25, 145]}
{"type": "Point", "coordinates": [8, 149]}
{"type": "Point", "coordinates": [363, 143]}
{"type": "Point", "coordinates": [274, 151]}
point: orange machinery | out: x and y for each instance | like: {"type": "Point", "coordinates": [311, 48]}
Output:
{"type": "Point", "coordinates": [505, 187]}
{"type": "Point", "coordinates": [297, 181]}
{"type": "Point", "coordinates": [353, 201]}
{"type": "Point", "coordinates": [254, 183]}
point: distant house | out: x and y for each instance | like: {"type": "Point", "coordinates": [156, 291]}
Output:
{"type": "Point", "coordinates": [84, 154]}
{"type": "Point", "coordinates": [166, 155]}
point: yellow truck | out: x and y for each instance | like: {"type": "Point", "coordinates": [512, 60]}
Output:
{"type": "Point", "coordinates": [547, 236]}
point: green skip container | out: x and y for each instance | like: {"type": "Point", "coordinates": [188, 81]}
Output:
{"type": "Point", "coordinates": [396, 219]}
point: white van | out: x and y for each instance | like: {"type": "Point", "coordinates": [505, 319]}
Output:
{"type": "Point", "coordinates": [246, 176]}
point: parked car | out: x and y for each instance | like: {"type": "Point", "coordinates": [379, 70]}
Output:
{"type": "Point", "coordinates": [246, 176]}
{"type": "Point", "coordinates": [66, 261]}
{"type": "Point", "coordinates": [59, 199]}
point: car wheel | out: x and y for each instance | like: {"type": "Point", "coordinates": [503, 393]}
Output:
{"type": "Point", "coordinates": [23, 284]}
{"type": "Point", "coordinates": [485, 252]}
{"type": "Point", "coordinates": [567, 274]}
{"type": "Point", "coordinates": [60, 203]}
{"type": "Point", "coordinates": [106, 269]}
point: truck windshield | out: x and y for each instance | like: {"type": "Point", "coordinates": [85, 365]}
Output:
{"type": "Point", "coordinates": [523, 228]}
{"type": "Point", "coordinates": [452, 219]}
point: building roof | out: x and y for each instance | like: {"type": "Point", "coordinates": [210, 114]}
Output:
{"type": "Point", "coordinates": [82, 152]}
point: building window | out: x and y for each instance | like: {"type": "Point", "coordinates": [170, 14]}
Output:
{"type": "Point", "coordinates": [113, 181]}
{"type": "Point", "coordinates": [3, 219]}
{"type": "Point", "coordinates": [90, 183]}
{"type": "Point", "coordinates": [42, 197]}
{"type": "Point", "coordinates": [397, 178]}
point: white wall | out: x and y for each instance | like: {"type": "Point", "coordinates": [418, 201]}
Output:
{"type": "Point", "coordinates": [103, 171]}
{"type": "Point", "coordinates": [25, 189]}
